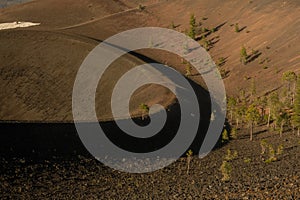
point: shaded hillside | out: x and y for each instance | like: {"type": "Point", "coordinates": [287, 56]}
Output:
{"type": "Point", "coordinates": [6, 3]}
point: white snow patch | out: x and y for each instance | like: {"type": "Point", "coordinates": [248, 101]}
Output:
{"type": "Point", "coordinates": [12, 25]}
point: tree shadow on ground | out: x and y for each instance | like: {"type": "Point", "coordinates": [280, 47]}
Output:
{"type": "Point", "coordinates": [243, 28]}
{"type": "Point", "coordinates": [253, 56]}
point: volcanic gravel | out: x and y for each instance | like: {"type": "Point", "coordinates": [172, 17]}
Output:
{"type": "Point", "coordinates": [86, 178]}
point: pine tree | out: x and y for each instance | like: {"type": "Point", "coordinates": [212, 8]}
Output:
{"type": "Point", "coordinates": [192, 32]}
{"type": "Point", "coordinates": [173, 26]}
{"type": "Point", "coordinates": [252, 117]}
{"type": "Point", "coordinates": [145, 110]}
{"type": "Point", "coordinates": [291, 78]}
{"type": "Point", "coordinates": [253, 90]}
{"type": "Point", "coordinates": [241, 108]}
{"type": "Point", "coordinates": [296, 108]}
{"type": "Point", "coordinates": [240, 113]}
{"type": "Point", "coordinates": [273, 104]}
{"type": "Point", "coordinates": [188, 70]}
{"type": "Point", "coordinates": [237, 28]}
{"type": "Point", "coordinates": [244, 56]}
{"type": "Point", "coordinates": [282, 119]}
{"type": "Point", "coordinates": [278, 112]}
{"type": "Point", "coordinates": [262, 104]}
{"type": "Point", "coordinates": [231, 104]}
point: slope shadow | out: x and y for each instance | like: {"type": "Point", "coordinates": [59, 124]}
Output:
{"type": "Point", "coordinates": [40, 141]}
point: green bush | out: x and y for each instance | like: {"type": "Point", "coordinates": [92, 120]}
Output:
{"type": "Point", "coordinates": [272, 157]}
{"type": "Point", "coordinates": [188, 70]}
{"type": "Point", "coordinates": [226, 170]}
{"type": "Point", "coordinates": [142, 7]}
{"type": "Point", "coordinates": [229, 156]}
{"type": "Point", "coordinates": [244, 55]}
{"type": "Point", "coordinates": [280, 149]}
{"type": "Point", "coordinates": [264, 146]}
{"type": "Point", "coordinates": [192, 31]}
{"type": "Point", "coordinates": [145, 110]}
{"type": "Point", "coordinates": [237, 28]}
{"type": "Point", "coordinates": [189, 155]}
{"type": "Point", "coordinates": [225, 136]}
{"type": "Point", "coordinates": [173, 26]}
{"type": "Point", "coordinates": [221, 61]}
{"type": "Point", "coordinates": [234, 134]}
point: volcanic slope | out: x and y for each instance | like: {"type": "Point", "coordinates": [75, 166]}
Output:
{"type": "Point", "coordinates": [39, 64]}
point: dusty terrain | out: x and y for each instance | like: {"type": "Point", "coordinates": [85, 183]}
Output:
{"type": "Point", "coordinates": [38, 66]}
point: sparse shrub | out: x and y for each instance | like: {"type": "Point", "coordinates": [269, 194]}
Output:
{"type": "Point", "coordinates": [183, 61]}
{"type": "Point", "coordinates": [296, 108]}
{"type": "Point", "coordinates": [229, 156]}
{"type": "Point", "coordinates": [226, 170]}
{"type": "Point", "coordinates": [270, 160]}
{"type": "Point", "coordinates": [189, 155]}
{"type": "Point", "coordinates": [247, 78]}
{"type": "Point", "coordinates": [223, 72]}
{"type": "Point", "coordinates": [264, 146]}
{"type": "Point", "coordinates": [213, 30]}
{"type": "Point", "coordinates": [254, 52]}
{"type": "Point", "coordinates": [280, 149]}
{"type": "Point", "coordinates": [272, 157]}
{"type": "Point", "coordinates": [188, 69]}
{"type": "Point", "coordinates": [206, 44]}
{"type": "Point", "coordinates": [145, 110]}
{"type": "Point", "coordinates": [252, 117]}
{"type": "Point", "coordinates": [265, 119]}
{"type": "Point", "coordinates": [271, 151]}
{"type": "Point", "coordinates": [243, 55]}
{"type": "Point", "coordinates": [142, 7]}
{"type": "Point", "coordinates": [221, 61]}
{"type": "Point", "coordinates": [234, 134]}
{"type": "Point", "coordinates": [261, 61]}
{"type": "Point", "coordinates": [225, 136]}
{"type": "Point", "coordinates": [290, 78]}
{"type": "Point", "coordinates": [192, 32]}
{"type": "Point", "coordinates": [173, 25]}
{"type": "Point", "coordinates": [253, 89]}
{"type": "Point", "coordinates": [204, 30]}
{"type": "Point", "coordinates": [237, 28]}
{"type": "Point", "coordinates": [231, 106]}
{"type": "Point", "coordinates": [235, 154]}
